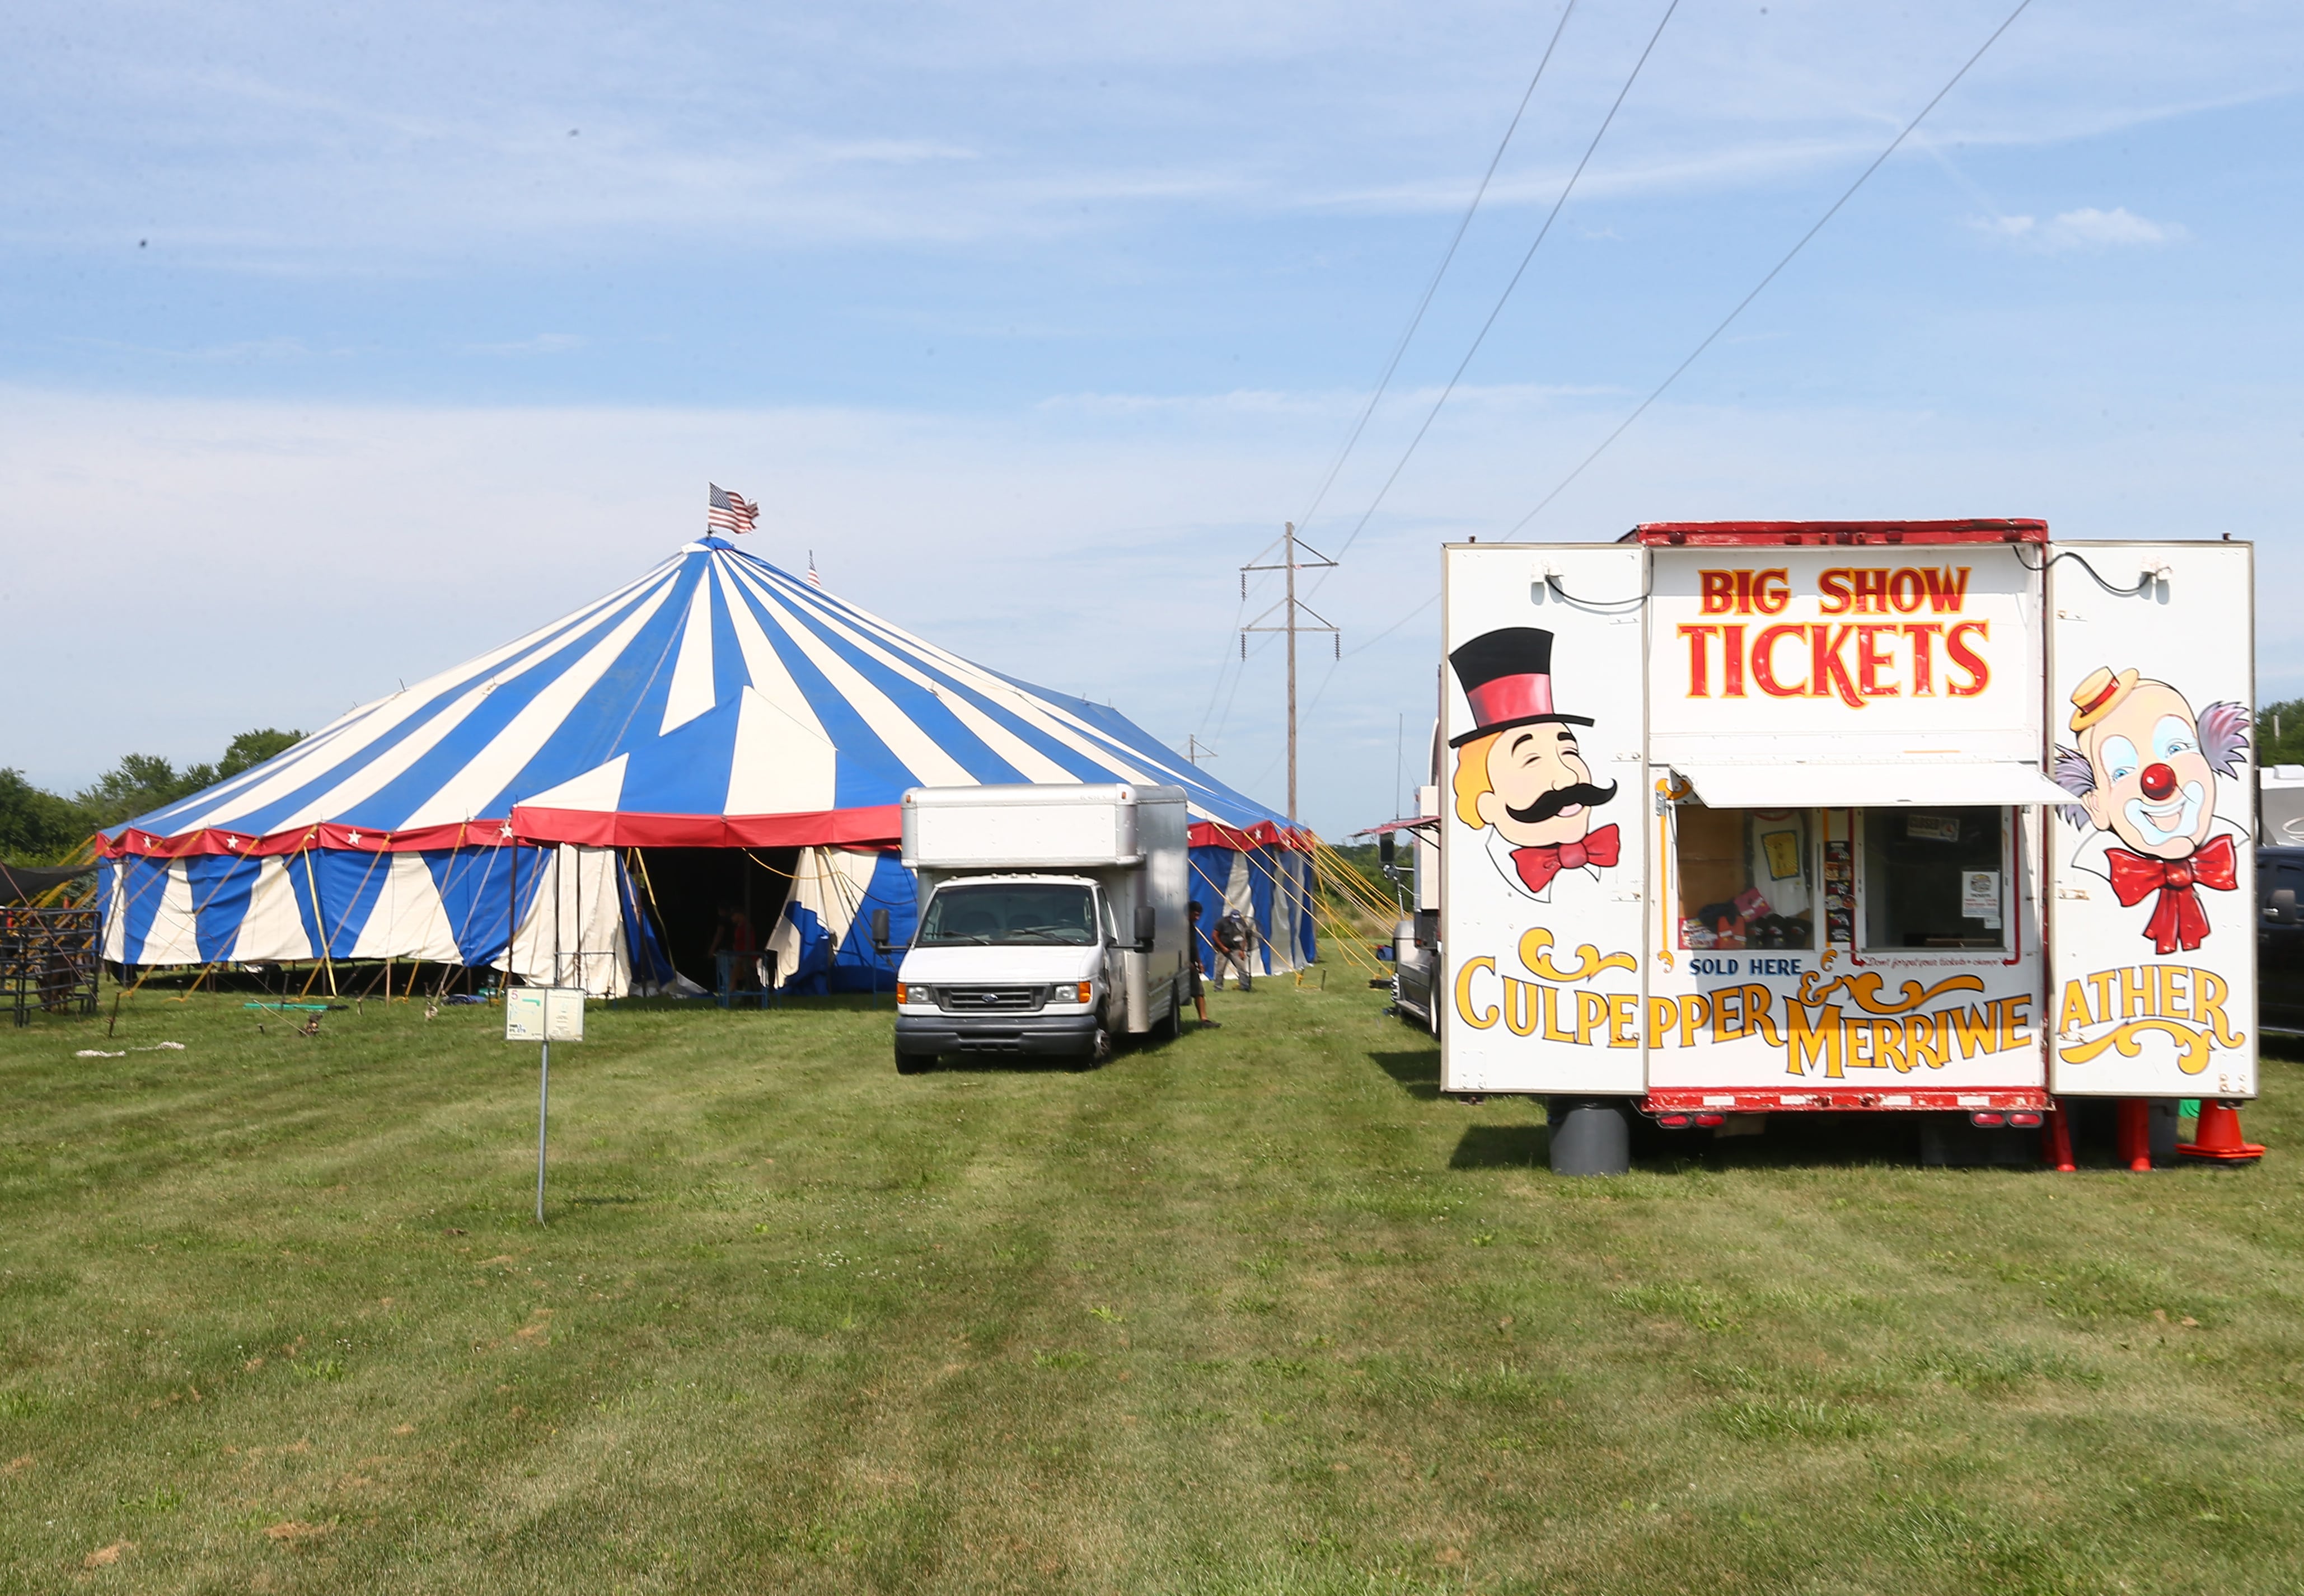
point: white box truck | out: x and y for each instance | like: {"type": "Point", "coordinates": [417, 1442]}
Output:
{"type": "Point", "coordinates": [1052, 918]}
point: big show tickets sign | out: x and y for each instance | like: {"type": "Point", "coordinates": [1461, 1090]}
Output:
{"type": "Point", "coordinates": [1880, 652]}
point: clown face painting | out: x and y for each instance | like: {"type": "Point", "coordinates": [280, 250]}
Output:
{"type": "Point", "coordinates": [2145, 773]}
{"type": "Point", "coordinates": [1520, 773]}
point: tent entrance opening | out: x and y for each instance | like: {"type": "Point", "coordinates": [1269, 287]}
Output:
{"type": "Point", "coordinates": [714, 900]}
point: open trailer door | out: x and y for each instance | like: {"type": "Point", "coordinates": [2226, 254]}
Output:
{"type": "Point", "coordinates": [1541, 799]}
{"type": "Point", "coordinates": [2151, 699]}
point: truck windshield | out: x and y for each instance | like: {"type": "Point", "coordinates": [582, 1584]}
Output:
{"type": "Point", "coordinates": [1007, 914]}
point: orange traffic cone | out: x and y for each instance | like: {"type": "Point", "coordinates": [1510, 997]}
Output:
{"type": "Point", "coordinates": [2134, 1124]}
{"type": "Point", "coordinates": [2217, 1135]}
{"type": "Point", "coordinates": [2056, 1141]}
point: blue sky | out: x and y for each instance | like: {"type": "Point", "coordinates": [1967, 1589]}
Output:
{"type": "Point", "coordinates": [336, 348]}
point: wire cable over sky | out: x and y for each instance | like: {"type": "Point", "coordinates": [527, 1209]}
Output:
{"type": "Point", "coordinates": [1416, 320]}
{"type": "Point", "coordinates": [1399, 349]}
{"type": "Point", "coordinates": [1849, 193]}
{"type": "Point", "coordinates": [1497, 310]}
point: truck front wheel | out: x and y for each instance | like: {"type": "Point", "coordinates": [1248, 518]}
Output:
{"type": "Point", "coordinates": [1099, 1049]}
{"type": "Point", "coordinates": [912, 1063]}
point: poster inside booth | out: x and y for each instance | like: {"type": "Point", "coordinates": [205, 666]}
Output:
{"type": "Point", "coordinates": [2154, 918]}
{"type": "Point", "coordinates": [1542, 796]}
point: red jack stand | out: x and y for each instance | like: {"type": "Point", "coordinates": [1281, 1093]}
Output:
{"type": "Point", "coordinates": [2056, 1141]}
{"type": "Point", "coordinates": [2217, 1135]}
{"type": "Point", "coordinates": [2135, 1124]}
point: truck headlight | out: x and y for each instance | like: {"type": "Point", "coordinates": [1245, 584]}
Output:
{"type": "Point", "coordinates": [914, 993]}
{"type": "Point", "coordinates": [1071, 992]}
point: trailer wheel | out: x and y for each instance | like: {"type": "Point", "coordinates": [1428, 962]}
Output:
{"type": "Point", "coordinates": [913, 1063]}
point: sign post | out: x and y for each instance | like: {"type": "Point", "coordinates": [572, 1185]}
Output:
{"type": "Point", "coordinates": [544, 1015]}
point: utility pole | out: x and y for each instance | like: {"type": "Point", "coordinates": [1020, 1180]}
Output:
{"type": "Point", "coordinates": [1289, 624]}
{"type": "Point", "coordinates": [1194, 749]}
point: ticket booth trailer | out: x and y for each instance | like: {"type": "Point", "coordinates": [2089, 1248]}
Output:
{"type": "Point", "coordinates": [1739, 819]}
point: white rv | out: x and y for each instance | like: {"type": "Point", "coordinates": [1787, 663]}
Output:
{"type": "Point", "coordinates": [1052, 918]}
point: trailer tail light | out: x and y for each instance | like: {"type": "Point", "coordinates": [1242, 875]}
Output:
{"type": "Point", "coordinates": [1672, 1121]}
{"type": "Point", "coordinates": [1711, 1119]}
{"type": "Point", "coordinates": [2024, 1120]}
{"type": "Point", "coordinates": [1991, 1119]}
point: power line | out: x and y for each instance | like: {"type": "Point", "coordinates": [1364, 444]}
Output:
{"type": "Point", "coordinates": [1224, 663]}
{"type": "Point", "coordinates": [1226, 718]}
{"type": "Point", "coordinates": [1878, 162]}
{"type": "Point", "coordinates": [1399, 349]}
{"type": "Point", "coordinates": [1542, 234]}
{"type": "Point", "coordinates": [1321, 691]}
{"type": "Point", "coordinates": [1384, 381]}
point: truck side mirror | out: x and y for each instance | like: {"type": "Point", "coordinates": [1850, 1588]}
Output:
{"type": "Point", "coordinates": [880, 930]}
{"type": "Point", "coordinates": [1147, 927]}
{"type": "Point", "coordinates": [1387, 850]}
{"type": "Point", "coordinates": [2284, 903]}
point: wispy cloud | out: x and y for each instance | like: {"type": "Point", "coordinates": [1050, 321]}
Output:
{"type": "Point", "coordinates": [543, 343]}
{"type": "Point", "coordinates": [2086, 228]}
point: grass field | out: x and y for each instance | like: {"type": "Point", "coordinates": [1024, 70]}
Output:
{"type": "Point", "coordinates": [1254, 1312]}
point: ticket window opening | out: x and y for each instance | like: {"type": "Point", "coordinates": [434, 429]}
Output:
{"type": "Point", "coordinates": [1935, 879]}
{"type": "Point", "coordinates": [1747, 878]}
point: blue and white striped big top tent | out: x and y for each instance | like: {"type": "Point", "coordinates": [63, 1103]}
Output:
{"type": "Point", "coordinates": [492, 817]}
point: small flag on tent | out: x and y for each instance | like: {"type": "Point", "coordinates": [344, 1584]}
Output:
{"type": "Point", "coordinates": [813, 580]}
{"type": "Point", "coordinates": [729, 512]}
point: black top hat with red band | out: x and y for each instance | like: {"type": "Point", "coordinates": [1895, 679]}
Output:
{"type": "Point", "coordinates": [1507, 678]}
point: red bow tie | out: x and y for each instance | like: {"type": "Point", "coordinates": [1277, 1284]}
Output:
{"type": "Point", "coordinates": [2177, 920]}
{"type": "Point", "coordinates": [1538, 865]}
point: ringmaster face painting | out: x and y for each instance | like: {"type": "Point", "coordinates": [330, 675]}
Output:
{"type": "Point", "coordinates": [1520, 773]}
{"type": "Point", "coordinates": [2145, 773]}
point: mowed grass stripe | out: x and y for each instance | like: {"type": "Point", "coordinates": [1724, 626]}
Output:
{"type": "Point", "coordinates": [1256, 1311]}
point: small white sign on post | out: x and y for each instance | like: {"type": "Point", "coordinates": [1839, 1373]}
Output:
{"type": "Point", "coordinates": [546, 1014]}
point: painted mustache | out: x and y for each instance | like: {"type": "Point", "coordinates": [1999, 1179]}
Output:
{"type": "Point", "coordinates": [1551, 803]}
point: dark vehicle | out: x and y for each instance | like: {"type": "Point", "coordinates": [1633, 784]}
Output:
{"type": "Point", "coordinates": [2280, 939]}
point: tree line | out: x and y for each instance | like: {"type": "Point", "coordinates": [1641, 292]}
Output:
{"type": "Point", "coordinates": [39, 827]}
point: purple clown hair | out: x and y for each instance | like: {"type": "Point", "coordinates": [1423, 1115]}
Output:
{"type": "Point", "coordinates": [2224, 736]}
{"type": "Point", "coordinates": [2077, 776]}
{"type": "Point", "coordinates": [2223, 744]}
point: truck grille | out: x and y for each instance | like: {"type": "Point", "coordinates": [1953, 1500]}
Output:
{"type": "Point", "coordinates": [991, 999]}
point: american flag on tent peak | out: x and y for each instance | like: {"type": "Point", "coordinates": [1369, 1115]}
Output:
{"type": "Point", "coordinates": [729, 513]}
{"type": "Point", "coordinates": [813, 580]}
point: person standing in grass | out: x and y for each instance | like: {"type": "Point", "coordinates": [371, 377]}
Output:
{"type": "Point", "coordinates": [1199, 993]}
{"type": "Point", "coordinates": [1236, 937]}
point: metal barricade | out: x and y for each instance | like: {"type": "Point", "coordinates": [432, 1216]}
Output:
{"type": "Point", "coordinates": [48, 961]}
